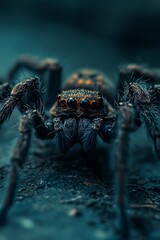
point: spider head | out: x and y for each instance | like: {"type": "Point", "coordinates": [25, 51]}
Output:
{"type": "Point", "coordinates": [79, 102]}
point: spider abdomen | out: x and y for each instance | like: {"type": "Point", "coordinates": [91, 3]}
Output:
{"type": "Point", "coordinates": [89, 79]}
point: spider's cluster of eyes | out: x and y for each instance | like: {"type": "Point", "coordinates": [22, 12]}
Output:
{"type": "Point", "coordinates": [84, 103]}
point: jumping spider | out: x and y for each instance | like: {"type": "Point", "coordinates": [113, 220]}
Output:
{"type": "Point", "coordinates": [84, 109]}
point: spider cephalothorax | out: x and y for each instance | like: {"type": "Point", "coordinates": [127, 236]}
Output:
{"type": "Point", "coordinates": [84, 109]}
{"type": "Point", "coordinates": [81, 102]}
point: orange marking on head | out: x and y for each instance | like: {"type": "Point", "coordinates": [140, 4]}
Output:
{"type": "Point", "coordinates": [80, 81]}
{"type": "Point", "coordinates": [71, 80]}
{"type": "Point", "coordinates": [88, 82]}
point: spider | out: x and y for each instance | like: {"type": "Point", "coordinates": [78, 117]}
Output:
{"type": "Point", "coordinates": [83, 109]}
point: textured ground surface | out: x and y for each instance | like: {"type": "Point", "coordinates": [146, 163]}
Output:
{"type": "Point", "coordinates": [64, 198]}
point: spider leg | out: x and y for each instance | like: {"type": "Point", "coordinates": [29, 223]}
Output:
{"type": "Point", "coordinates": [16, 96]}
{"type": "Point", "coordinates": [137, 107]}
{"type": "Point", "coordinates": [88, 129]}
{"type": "Point", "coordinates": [107, 130]}
{"type": "Point", "coordinates": [65, 133]}
{"type": "Point", "coordinates": [5, 90]}
{"type": "Point", "coordinates": [125, 125]}
{"type": "Point", "coordinates": [87, 136]}
{"type": "Point", "coordinates": [134, 73]}
{"type": "Point", "coordinates": [50, 66]}
{"type": "Point", "coordinates": [17, 160]}
{"type": "Point", "coordinates": [147, 110]}
{"type": "Point", "coordinates": [32, 119]}
{"type": "Point", "coordinates": [87, 132]}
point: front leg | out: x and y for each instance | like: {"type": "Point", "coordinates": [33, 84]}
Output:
{"type": "Point", "coordinates": [136, 73]}
{"type": "Point", "coordinates": [17, 160]}
{"type": "Point", "coordinates": [137, 108]}
{"type": "Point", "coordinates": [65, 133]}
{"type": "Point", "coordinates": [48, 68]}
{"type": "Point", "coordinates": [125, 125]}
{"type": "Point", "coordinates": [16, 96]}
{"type": "Point", "coordinates": [146, 105]}
{"type": "Point", "coordinates": [87, 136]}
{"type": "Point", "coordinates": [5, 90]}
{"type": "Point", "coordinates": [32, 119]}
{"type": "Point", "coordinates": [88, 129]}
{"type": "Point", "coordinates": [87, 132]}
{"type": "Point", "coordinates": [107, 130]}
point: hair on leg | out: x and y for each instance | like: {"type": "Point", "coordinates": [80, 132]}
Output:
{"type": "Point", "coordinates": [5, 90]}
{"type": "Point", "coordinates": [32, 119]}
{"type": "Point", "coordinates": [15, 98]}
{"type": "Point", "coordinates": [17, 160]}
{"type": "Point", "coordinates": [146, 104]}
{"type": "Point", "coordinates": [125, 125]}
{"type": "Point", "coordinates": [49, 69]}
{"type": "Point", "coordinates": [135, 73]}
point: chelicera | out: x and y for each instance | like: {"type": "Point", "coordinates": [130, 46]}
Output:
{"type": "Point", "coordinates": [83, 109]}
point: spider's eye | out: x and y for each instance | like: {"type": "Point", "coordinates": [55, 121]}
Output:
{"type": "Point", "coordinates": [58, 97]}
{"type": "Point", "coordinates": [72, 103]}
{"type": "Point", "coordinates": [62, 102]}
{"type": "Point", "coordinates": [94, 104]}
{"type": "Point", "coordinates": [100, 101]}
{"type": "Point", "coordinates": [100, 94]}
{"type": "Point", "coordinates": [84, 103]}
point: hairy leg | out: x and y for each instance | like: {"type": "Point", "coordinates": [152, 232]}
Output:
{"type": "Point", "coordinates": [32, 119]}
{"type": "Point", "coordinates": [17, 160]}
{"type": "Point", "coordinates": [141, 87]}
{"type": "Point", "coordinates": [16, 98]}
{"type": "Point", "coordinates": [134, 73]}
{"type": "Point", "coordinates": [87, 132]}
{"type": "Point", "coordinates": [138, 107]}
{"type": "Point", "coordinates": [87, 136]}
{"type": "Point", "coordinates": [125, 125]}
{"type": "Point", "coordinates": [146, 105]}
{"type": "Point", "coordinates": [65, 133]}
{"type": "Point", "coordinates": [5, 90]}
{"type": "Point", "coordinates": [48, 69]}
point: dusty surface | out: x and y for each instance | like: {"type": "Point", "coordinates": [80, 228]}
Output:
{"type": "Point", "coordinates": [64, 198]}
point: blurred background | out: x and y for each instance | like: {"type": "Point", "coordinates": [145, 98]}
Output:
{"type": "Point", "coordinates": [101, 34]}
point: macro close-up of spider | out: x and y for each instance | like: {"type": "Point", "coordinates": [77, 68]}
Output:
{"type": "Point", "coordinates": [79, 120]}
{"type": "Point", "coordinates": [86, 107]}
